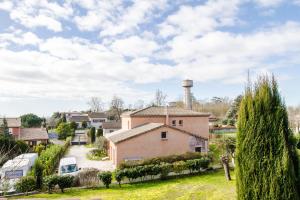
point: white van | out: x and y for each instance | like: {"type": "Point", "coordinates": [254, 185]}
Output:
{"type": "Point", "coordinates": [68, 166]}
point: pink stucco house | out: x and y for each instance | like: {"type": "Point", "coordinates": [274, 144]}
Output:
{"type": "Point", "coordinates": [158, 131]}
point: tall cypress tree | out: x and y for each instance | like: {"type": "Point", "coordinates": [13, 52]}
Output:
{"type": "Point", "coordinates": [264, 158]}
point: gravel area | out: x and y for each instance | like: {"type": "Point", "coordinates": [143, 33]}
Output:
{"type": "Point", "coordinates": [80, 151]}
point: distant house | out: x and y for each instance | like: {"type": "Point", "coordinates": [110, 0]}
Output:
{"type": "Point", "coordinates": [93, 119]}
{"type": "Point", "coordinates": [158, 131]}
{"type": "Point", "coordinates": [13, 124]}
{"type": "Point", "coordinates": [32, 136]}
{"type": "Point", "coordinates": [79, 119]}
{"type": "Point", "coordinates": [97, 119]}
{"type": "Point", "coordinates": [109, 127]}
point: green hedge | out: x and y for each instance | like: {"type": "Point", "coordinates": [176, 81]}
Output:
{"type": "Point", "coordinates": [163, 169]}
{"type": "Point", "coordinates": [164, 159]}
{"type": "Point", "coordinates": [50, 157]}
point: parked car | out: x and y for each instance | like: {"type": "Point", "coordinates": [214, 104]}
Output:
{"type": "Point", "coordinates": [68, 166]}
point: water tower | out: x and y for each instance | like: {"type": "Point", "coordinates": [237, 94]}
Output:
{"type": "Point", "coordinates": [187, 84]}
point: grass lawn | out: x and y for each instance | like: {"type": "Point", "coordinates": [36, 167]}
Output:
{"type": "Point", "coordinates": [211, 186]}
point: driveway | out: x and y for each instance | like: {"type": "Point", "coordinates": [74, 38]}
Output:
{"type": "Point", "coordinates": [80, 151]}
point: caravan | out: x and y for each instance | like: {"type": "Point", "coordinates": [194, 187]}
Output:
{"type": "Point", "coordinates": [14, 169]}
{"type": "Point", "coordinates": [68, 166]}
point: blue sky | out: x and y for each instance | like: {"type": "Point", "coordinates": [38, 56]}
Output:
{"type": "Point", "coordinates": [56, 55]}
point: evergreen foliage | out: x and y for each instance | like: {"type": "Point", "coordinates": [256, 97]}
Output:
{"type": "Point", "coordinates": [31, 120]}
{"type": "Point", "coordinates": [264, 158]}
{"type": "Point", "coordinates": [93, 134]}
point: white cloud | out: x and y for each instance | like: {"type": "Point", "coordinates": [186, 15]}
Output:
{"type": "Point", "coordinates": [269, 3]}
{"type": "Point", "coordinates": [220, 55]}
{"type": "Point", "coordinates": [6, 5]}
{"type": "Point", "coordinates": [200, 19]}
{"type": "Point", "coordinates": [115, 17]}
{"type": "Point", "coordinates": [19, 37]}
{"type": "Point", "coordinates": [134, 46]}
{"type": "Point", "coordinates": [39, 13]}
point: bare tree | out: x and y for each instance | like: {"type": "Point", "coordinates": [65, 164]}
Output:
{"type": "Point", "coordinates": [116, 107]}
{"type": "Point", "coordinates": [96, 104]}
{"type": "Point", "coordinates": [160, 98]}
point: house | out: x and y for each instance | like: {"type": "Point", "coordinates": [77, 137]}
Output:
{"type": "Point", "coordinates": [158, 131]}
{"type": "Point", "coordinates": [13, 124]}
{"type": "Point", "coordinates": [93, 119]}
{"type": "Point", "coordinates": [79, 119]}
{"type": "Point", "coordinates": [32, 136]}
{"type": "Point", "coordinates": [97, 119]}
{"type": "Point", "coordinates": [109, 127]}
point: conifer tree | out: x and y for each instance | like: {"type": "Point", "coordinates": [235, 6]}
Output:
{"type": "Point", "coordinates": [264, 158]}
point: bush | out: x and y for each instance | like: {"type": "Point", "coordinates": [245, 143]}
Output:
{"type": "Point", "coordinates": [64, 130]}
{"type": "Point", "coordinates": [165, 159]}
{"type": "Point", "coordinates": [50, 182]}
{"type": "Point", "coordinates": [99, 132]}
{"type": "Point", "coordinates": [65, 182]}
{"type": "Point", "coordinates": [73, 125]}
{"type": "Point", "coordinates": [106, 178]}
{"type": "Point", "coordinates": [26, 184]}
{"type": "Point", "coordinates": [165, 169]}
{"type": "Point", "coordinates": [38, 174]}
{"type": "Point", "coordinates": [50, 157]}
{"type": "Point", "coordinates": [93, 134]}
{"type": "Point", "coordinates": [88, 177]}
{"type": "Point", "coordinates": [119, 176]}
{"type": "Point", "coordinates": [96, 154]}
{"type": "Point", "coordinates": [39, 148]}
{"type": "Point", "coordinates": [179, 167]}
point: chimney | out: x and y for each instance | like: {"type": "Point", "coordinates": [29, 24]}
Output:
{"type": "Point", "coordinates": [187, 84]}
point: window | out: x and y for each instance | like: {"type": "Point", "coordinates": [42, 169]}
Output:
{"type": "Point", "coordinates": [173, 122]}
{"type": "Point", "coordinates": [180, 123]}
{"type": "Point", "coordinates": [197, 149]}
{"type": "Point", "coordinates": [163, 135]}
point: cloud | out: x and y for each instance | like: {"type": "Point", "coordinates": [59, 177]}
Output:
{"type": "Point", "coordinates": [42, 13]}
{"type": "Point", "coordinates": [222, 55]}
{"type": "Point", "coordinates": [269, 3]}
{"type": "Point", "coordinates": [19, 37]}
{"type": "Point", "coordinates": [134, 46]}
{"type": "Point", "coordinates": [201, 19]}
{"type": "Point", "coordinates": [116, 17]}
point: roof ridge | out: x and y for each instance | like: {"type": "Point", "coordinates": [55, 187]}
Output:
{"type": "Point", "coordinates": [139, 110]}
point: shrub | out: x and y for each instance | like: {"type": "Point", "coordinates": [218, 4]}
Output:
{"type": "Point", "coordinates": [50, 182]}
{"type": "Point", "coordinates": [179, 167]}
{"type": "Point", "coordinates": [73, 125]}
{"type": "Point", "coordinates": [105, 177]}
{"type": "Point", "coordinates": [99, 132]}
{"type": "Point", "coordinates": [50, 157]}
{"type": "Point", "coordinates": [64, 130]}
{"type": "Point", "coordinates": [119, 176]}
{"type": "Point", "coordinates": [39, 148]}
{"type": "Point", "coordinates": [93, 134]}
{"type": "Point", "coordinates": [153, 170]}
{"type": "Point", "coordinates": [65, 182]}
{"type": "Point", "coordinates": [88, 177]}
{"type": "Point", "coordinates": [165, 159]}
{"type": "Point", "coordinates": [131, 173]}
{"type": "Point", "coordinates": [165, 169]}
{"type": "Point", "coordinates": [26, 184]}
{"type": "Point", "coordinates": [96, 154]}
{"type": "Point", "coordinates": [38, 174]}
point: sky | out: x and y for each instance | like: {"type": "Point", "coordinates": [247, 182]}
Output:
{"type": "Point", "coordinates": [56, 55]}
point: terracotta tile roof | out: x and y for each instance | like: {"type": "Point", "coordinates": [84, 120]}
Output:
{"type": "Point", "coordinates": [121, 135]}
{"type": "Point", "coordinates": [33, 134]}
{"type": "Point", "coordinates": [80, 118]}
{"type": "Point", "coordinates": [97, 115]}
{"type": "Point", "coordinates": [112, 125]}
{"type": "Point", "coordinates": [12, 122]}
{"type": "Point", "coordinates": [163, 110]}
